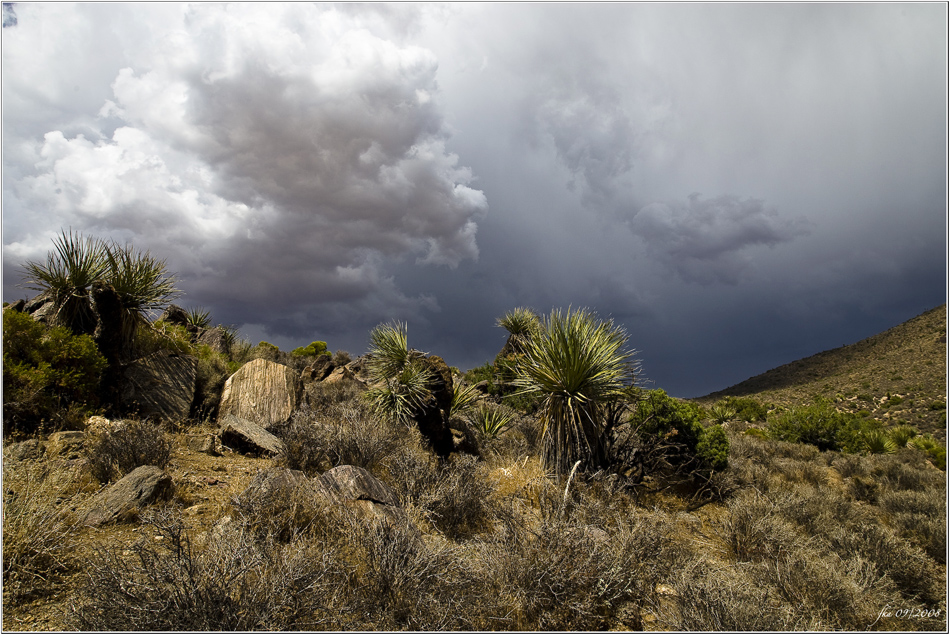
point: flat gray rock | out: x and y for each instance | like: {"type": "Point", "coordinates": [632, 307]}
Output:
{"type": "Point", "coordinates": [139, 488]}
{"type": "Point", "coordinates": [247, 437]}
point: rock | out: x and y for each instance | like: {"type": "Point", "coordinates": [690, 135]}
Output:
{"type": "Point", "coordinates": [339, 374]}
{"type": "Point", "coordinates": [276, 483]}
{"type": "Point", "coordinates": [318, 370]}
{"type": "Point", "coordinates": [65, 444]}
{"type": "Point", "coordinates": [248, 437]}
{"type": "Point", "coordinates": [482, 386]}
{"type": "Point", "coordinates": [365, 496]}
{"type": "Point", "coordinates": [216, 338]}
{"type": "Point", "coordinates": [16, 307]}
{"type": "Point", "coordinates": [139, 488]}
{"type": "Point", "coordinates": [262, 391]}
{"type": "Point", "coordinates": [160, 385]}
{"type": "Point", "coordinates": [465, 441]}
{"type": "Point", "coordinates": [204, 443]}
{"type": "Point", "coordinates": [174, 314]}
{"type": "Point", "coordinates": [348, 482]}
{"type": "Point", "coordinates": [38, 302]}
{"type": "Point", "coordinates": [360, 369]}
{"type": "Point", "coordinates": [23, 451]}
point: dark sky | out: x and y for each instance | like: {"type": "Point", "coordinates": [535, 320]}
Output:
{"type": "Point", "coordinates": [738, 185]}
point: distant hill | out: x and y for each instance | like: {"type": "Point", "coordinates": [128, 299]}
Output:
{"type": "Point", "coordinates": [899, 376]}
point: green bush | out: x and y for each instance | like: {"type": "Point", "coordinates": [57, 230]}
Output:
{"type": "Point", "coordinates": [747, 409]}
{"type": "Point", "coordinates": [676, 427]}
{"type": "Point", "coordinates": [819, 425]}
{"type": "Point", "coordinates": [45, 372]}
{"type": "Point", "coordinates": [312, 350]}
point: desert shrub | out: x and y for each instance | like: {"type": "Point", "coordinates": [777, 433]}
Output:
{"type": "Point", "coordinates": [341, 358]}
{"type": "Point", "coordinates": [45, 371]}
{"type": "Point", "coordinates": [130, 444]}
{"type": "Point", "coordinates": [818, 424]}
{"type": "Point", "coordinates": [709, 598]}
{"type": "Point", "coordinates": [753, 529]}
{"type": "Point", "coordinates": [673, 436]}
{"type": "Point", "coordinates": [747, 409]}
{"type": "Point", "coordinates": [39, 532]}
{"type": "Point", "coordinates": [321, 395]}
{"type": "Point", "coordinates": [302, 447]}
{"type": "Point", "coordinates": [343, 433]}
{"type": "Point", "coordinates": [564, 576]}
{"type": "Point", "coordinates": [920, 517]}
{"type": "Point", "coordinates": [401, 584]}
{"type": "Point", "coordinates": [231, 583]}
{"type": "Point", "coordinates": [312, 350]}
{"type": "Point", "coordinates": [162, 336]}
{"type": "Point", "coordinates": [878, 442]}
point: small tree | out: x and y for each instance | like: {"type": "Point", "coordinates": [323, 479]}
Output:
{"type": "Point", "coordinates": [578, 364]}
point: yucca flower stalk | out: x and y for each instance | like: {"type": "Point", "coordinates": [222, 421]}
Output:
{"type": "Point", "coordinates": [399, 381]}
{"type": "Point", "coordinates": [579, 364]}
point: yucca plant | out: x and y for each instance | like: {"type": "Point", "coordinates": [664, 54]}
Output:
{"type": "Point", "coordinates": [902, 434]}
{"type": "Point", "coordinates": [722, 412]}
{"type": "Point", "coordinates": [577, 363]}
{"type": "Point", "coordinates": [67, 277]}
{"type": "Point", "coordinates": [489, 421]}
{"type": "Point", "coordinates": [878, 442]}
{"type": "Point", "coordinates": [142, 285]}
{"type": "Point", "coordinates": [463, 398]}
{"type": "Point", "coordinates": [199, 318]}
{"type": "Point", "coordinates": [520, 322]}
{"type": "Point", "coordinates": [399, 379]}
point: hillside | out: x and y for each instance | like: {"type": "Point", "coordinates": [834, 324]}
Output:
{"type": "Point", "coordinates": [899, 376]}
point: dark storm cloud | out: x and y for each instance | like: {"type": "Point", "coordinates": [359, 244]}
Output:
{"type": "Point", "coordinates": [704, 240]}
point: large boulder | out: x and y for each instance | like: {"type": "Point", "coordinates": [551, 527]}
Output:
{"type": "Point", "coordinates": [317, 370]}
{"type": "Point", "coordinates": [247, 437]}
{"type": "Point", "coordinates": [139, 488]}
{"type": "Point", "coordinates": [262, 391]}
{"type": "Point", "coordinates": [160, 385]}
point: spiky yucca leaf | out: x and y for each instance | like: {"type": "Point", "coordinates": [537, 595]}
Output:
{"type": "Point", "coordinates": [902, 434]}
{"type": "Point", "coordinates": [489, 421]}
{"type": "Point", "coordinates": [520, 321]}
{"type": "Point", "coordinates": [722, 412]}
{"type": "Point", "coordinates": [199, 318]}
{"type": "Point", "coordinates": [578, 363]}
{"type": "Point", "coordinates": [463, 398]}
{"type": "Point", "coordinates": [399, 397]}
{"type": "Point", "coordinates": [69, 272]}
{"type": "Point", "coordinates": [141, 280]}
{"type": "Point", "coordinates": [878, 442]}
{"type": "Point", "coordinates": [389, 351]}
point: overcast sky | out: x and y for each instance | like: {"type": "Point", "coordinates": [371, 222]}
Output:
{"type": "Point", "coordinates": [738, 185]}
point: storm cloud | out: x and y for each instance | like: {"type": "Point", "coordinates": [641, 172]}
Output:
{"type": "Point", "coordinates": [738, 185]}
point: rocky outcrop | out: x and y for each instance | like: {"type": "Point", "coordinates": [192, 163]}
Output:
{"type": "Point", "coordinates": [263, 392]}
{"type": "Point", "coordinates": [139, 488]}
{"type": "Point", "coordinates": [216, 338]}
{"type": "Point", "coordinates": [247, 437]}
{"type": "Point", "coordinates": [160, 385]}
{"type": "Point", "coordinates": [204, 443]}
{"type": "Point", "coordinates": [318, 370]}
